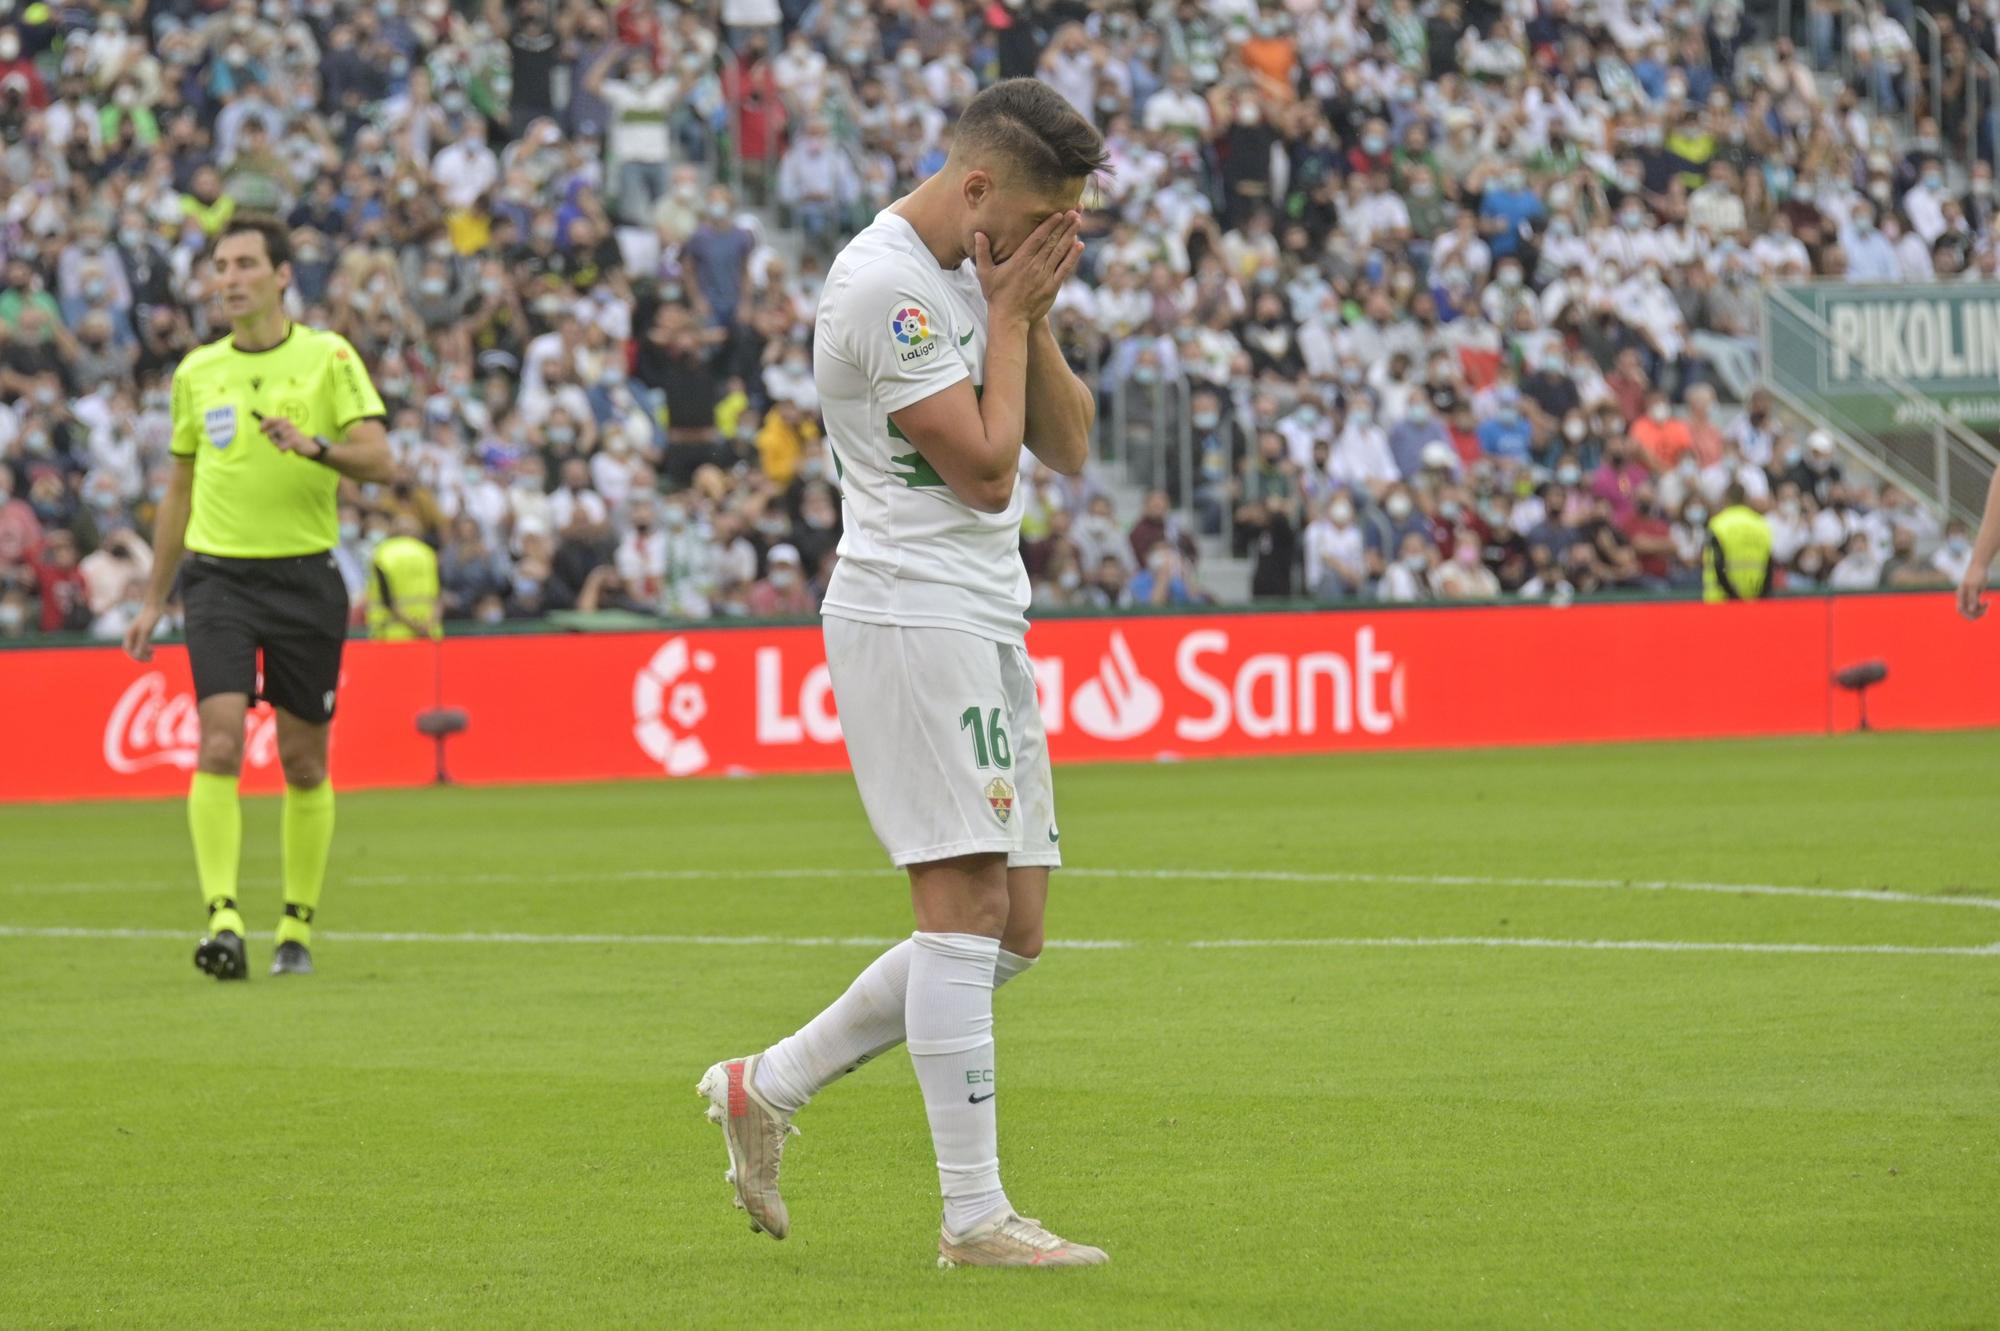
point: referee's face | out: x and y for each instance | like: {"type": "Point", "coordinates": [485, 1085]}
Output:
{"type": "Point", "coordinates": [246, 283]}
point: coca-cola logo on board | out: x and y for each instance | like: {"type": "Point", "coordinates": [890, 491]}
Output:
{"type": "Point", "coordinates": [150, 727]}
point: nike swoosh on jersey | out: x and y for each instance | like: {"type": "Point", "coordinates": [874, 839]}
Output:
{"type": "Point", "coordinates": [967, 338]}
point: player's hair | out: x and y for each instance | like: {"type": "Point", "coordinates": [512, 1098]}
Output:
{"type": "Point", "coordinates": [1029, 127]}
{"type": "Point", "coordinates": [277, 236]}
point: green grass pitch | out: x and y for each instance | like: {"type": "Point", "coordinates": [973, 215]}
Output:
{"type": "Point", "coordinates": [1795, 1123]}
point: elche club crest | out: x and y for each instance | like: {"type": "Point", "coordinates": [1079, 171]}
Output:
{"type": "Point", "coordinates": [1000, 797]}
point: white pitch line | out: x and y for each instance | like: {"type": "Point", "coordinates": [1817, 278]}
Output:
{"type": "Point", "coordinates": [1611, 945]}
{"type": "Point", "coordinates": [1330, 877]}
{"type": "Point", "coordinates": [1088, 944]}
{"type": "Point", "coordinates": [1606, 884]}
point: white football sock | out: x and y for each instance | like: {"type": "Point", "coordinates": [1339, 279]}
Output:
{"type": "Point", "coordinates": [948, 1015]}
{"type": "Point", "coordinates": [862, 1024]}
{"type": "Point", "coordinates": [1009, 965]}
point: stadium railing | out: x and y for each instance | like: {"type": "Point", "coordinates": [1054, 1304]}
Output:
{"type": "Point", "coordinates": [1889, 426]}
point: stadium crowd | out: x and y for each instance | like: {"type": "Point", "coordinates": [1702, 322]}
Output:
{"type": "Point", "coordinates": [1423, 298]}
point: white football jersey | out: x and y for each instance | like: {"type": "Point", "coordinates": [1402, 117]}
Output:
{"type": "Point", "coordinates": [892, 329]}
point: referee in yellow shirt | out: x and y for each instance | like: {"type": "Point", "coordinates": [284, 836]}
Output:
{"type": "Point", "coordinates": [265, 423]}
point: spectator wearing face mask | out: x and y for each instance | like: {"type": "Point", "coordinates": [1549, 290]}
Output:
{"type": "Point", "coordinates": [1412, 438]}
{"type": "Point", "coordinates": [817, 182]}
{"type": "Point", "coordinates": [1506, 434]}
{"type": "Point", "coordinates": [816, 534]}
{"type": "Point", "coordinates": [1871, 256]}
{"type": "Point", "coordinates": [1220, 445]}
{"type": "Point", "coordinates": [1662, 438]}
{"type": "Point", "coordinates": [470, 572]}
{"type": "Point", "coordinates": [1336, 557]}
{"type": "Point", "coordinates": [638, 140]}
{"type": "Point", "coordinates": [1509, 296]}
{"type": "Point", "coordinates": [1409, 577]}
{"type": "Point", "coordinates": [1953, 557]}
{"type": "Point", "coordinates": [1464, 576]}
{"type": "Point", "coordinates": [1813, 468]}
{"type": "Point", "coordinates": [1160, 581]}
{"type": "Point", "coordinates": [782, 593]}
{"type": "Point", "coordinates": [1360, 456]}
{"type": "Point", "coordinates": [1859, 568]}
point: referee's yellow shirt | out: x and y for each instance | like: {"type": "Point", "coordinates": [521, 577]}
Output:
{"type": "Point", "coordinates": [252, 501]}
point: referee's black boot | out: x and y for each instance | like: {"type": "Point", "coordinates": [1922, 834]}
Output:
{"type": "Point", "coordinates": [223, 957]}
{"type": "Point", "coordinates": [292, 959]}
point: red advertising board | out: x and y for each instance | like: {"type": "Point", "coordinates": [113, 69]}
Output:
{"type": "Point", "coordinates": [86, 723]}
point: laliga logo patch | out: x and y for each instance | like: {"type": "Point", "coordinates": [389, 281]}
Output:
{"type": "Point", "coordinates": [911, 328]}
{"type": "Point", "coordinates": [910, 325]}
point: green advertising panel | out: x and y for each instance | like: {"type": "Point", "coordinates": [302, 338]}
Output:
{"type": "Point", "coordinates": [1849, 349]}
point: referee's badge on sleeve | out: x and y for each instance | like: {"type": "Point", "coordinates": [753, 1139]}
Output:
{"type": "Point", "coordinates": [220, 422]}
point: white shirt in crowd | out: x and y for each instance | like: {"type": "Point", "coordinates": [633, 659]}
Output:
{"type": "Point", "coordinates": [800, 73]}
{"type": "Point", "coordinates": [639, 112]}
{"type": "Point", "coordinates": [814, 170]}
{"type": "Point", "coordinates": [1342, 545]}
{"type": "Point", "coordinates": [1775, 253]}
{"type": "Point", "coordinates": [1186, 112]}
{"type": "Point", "coordinates": [1361, 454]}
{"type": "Point", "coordinates": [1790, 531]}
{"type": "Point", "coordinates": [568, 506]}
{"type": "Point", "coordinates": [464, 171]}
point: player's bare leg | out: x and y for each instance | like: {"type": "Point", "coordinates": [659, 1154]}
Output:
{"type": "Point", "coordinates": [1027, 905]}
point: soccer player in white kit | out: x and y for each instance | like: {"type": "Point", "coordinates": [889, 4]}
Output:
{"type": "Point", "coordinates": [936, 365]}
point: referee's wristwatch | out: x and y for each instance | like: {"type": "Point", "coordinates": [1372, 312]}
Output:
{"type": "Point", "coordinates": [325, 448]}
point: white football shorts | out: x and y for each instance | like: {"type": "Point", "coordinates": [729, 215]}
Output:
{"type": "Point", "coordinates": [946, 741]}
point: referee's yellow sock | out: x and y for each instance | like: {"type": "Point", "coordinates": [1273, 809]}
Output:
{"type": "Point", "coordinates": [308, 837]}
{"type": "Point", "coordinates": [215, 821]}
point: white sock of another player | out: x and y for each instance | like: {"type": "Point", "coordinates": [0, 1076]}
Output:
{"type": "Point", "coordinates": [862, 1024]}
{"type": "Point", "coordinates": [948, 1015]}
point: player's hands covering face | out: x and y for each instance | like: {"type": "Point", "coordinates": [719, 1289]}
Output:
{"type": "Point", "coordinates": [1025, 286]}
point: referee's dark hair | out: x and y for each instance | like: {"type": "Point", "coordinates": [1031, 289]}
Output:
{"type": "Point", "coordinates": [1034, 129]}
{"type": "Point", "coordinates": [277, 236]}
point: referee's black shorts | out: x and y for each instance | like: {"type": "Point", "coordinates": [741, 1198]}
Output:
{"type": "Point", "coordinates": [294, 611]}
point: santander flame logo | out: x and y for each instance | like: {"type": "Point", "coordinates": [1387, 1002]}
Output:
{"type": "Point", "coordinates": [1119, 702]}
{"type": "Point", "coordinates": [149, 728]}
